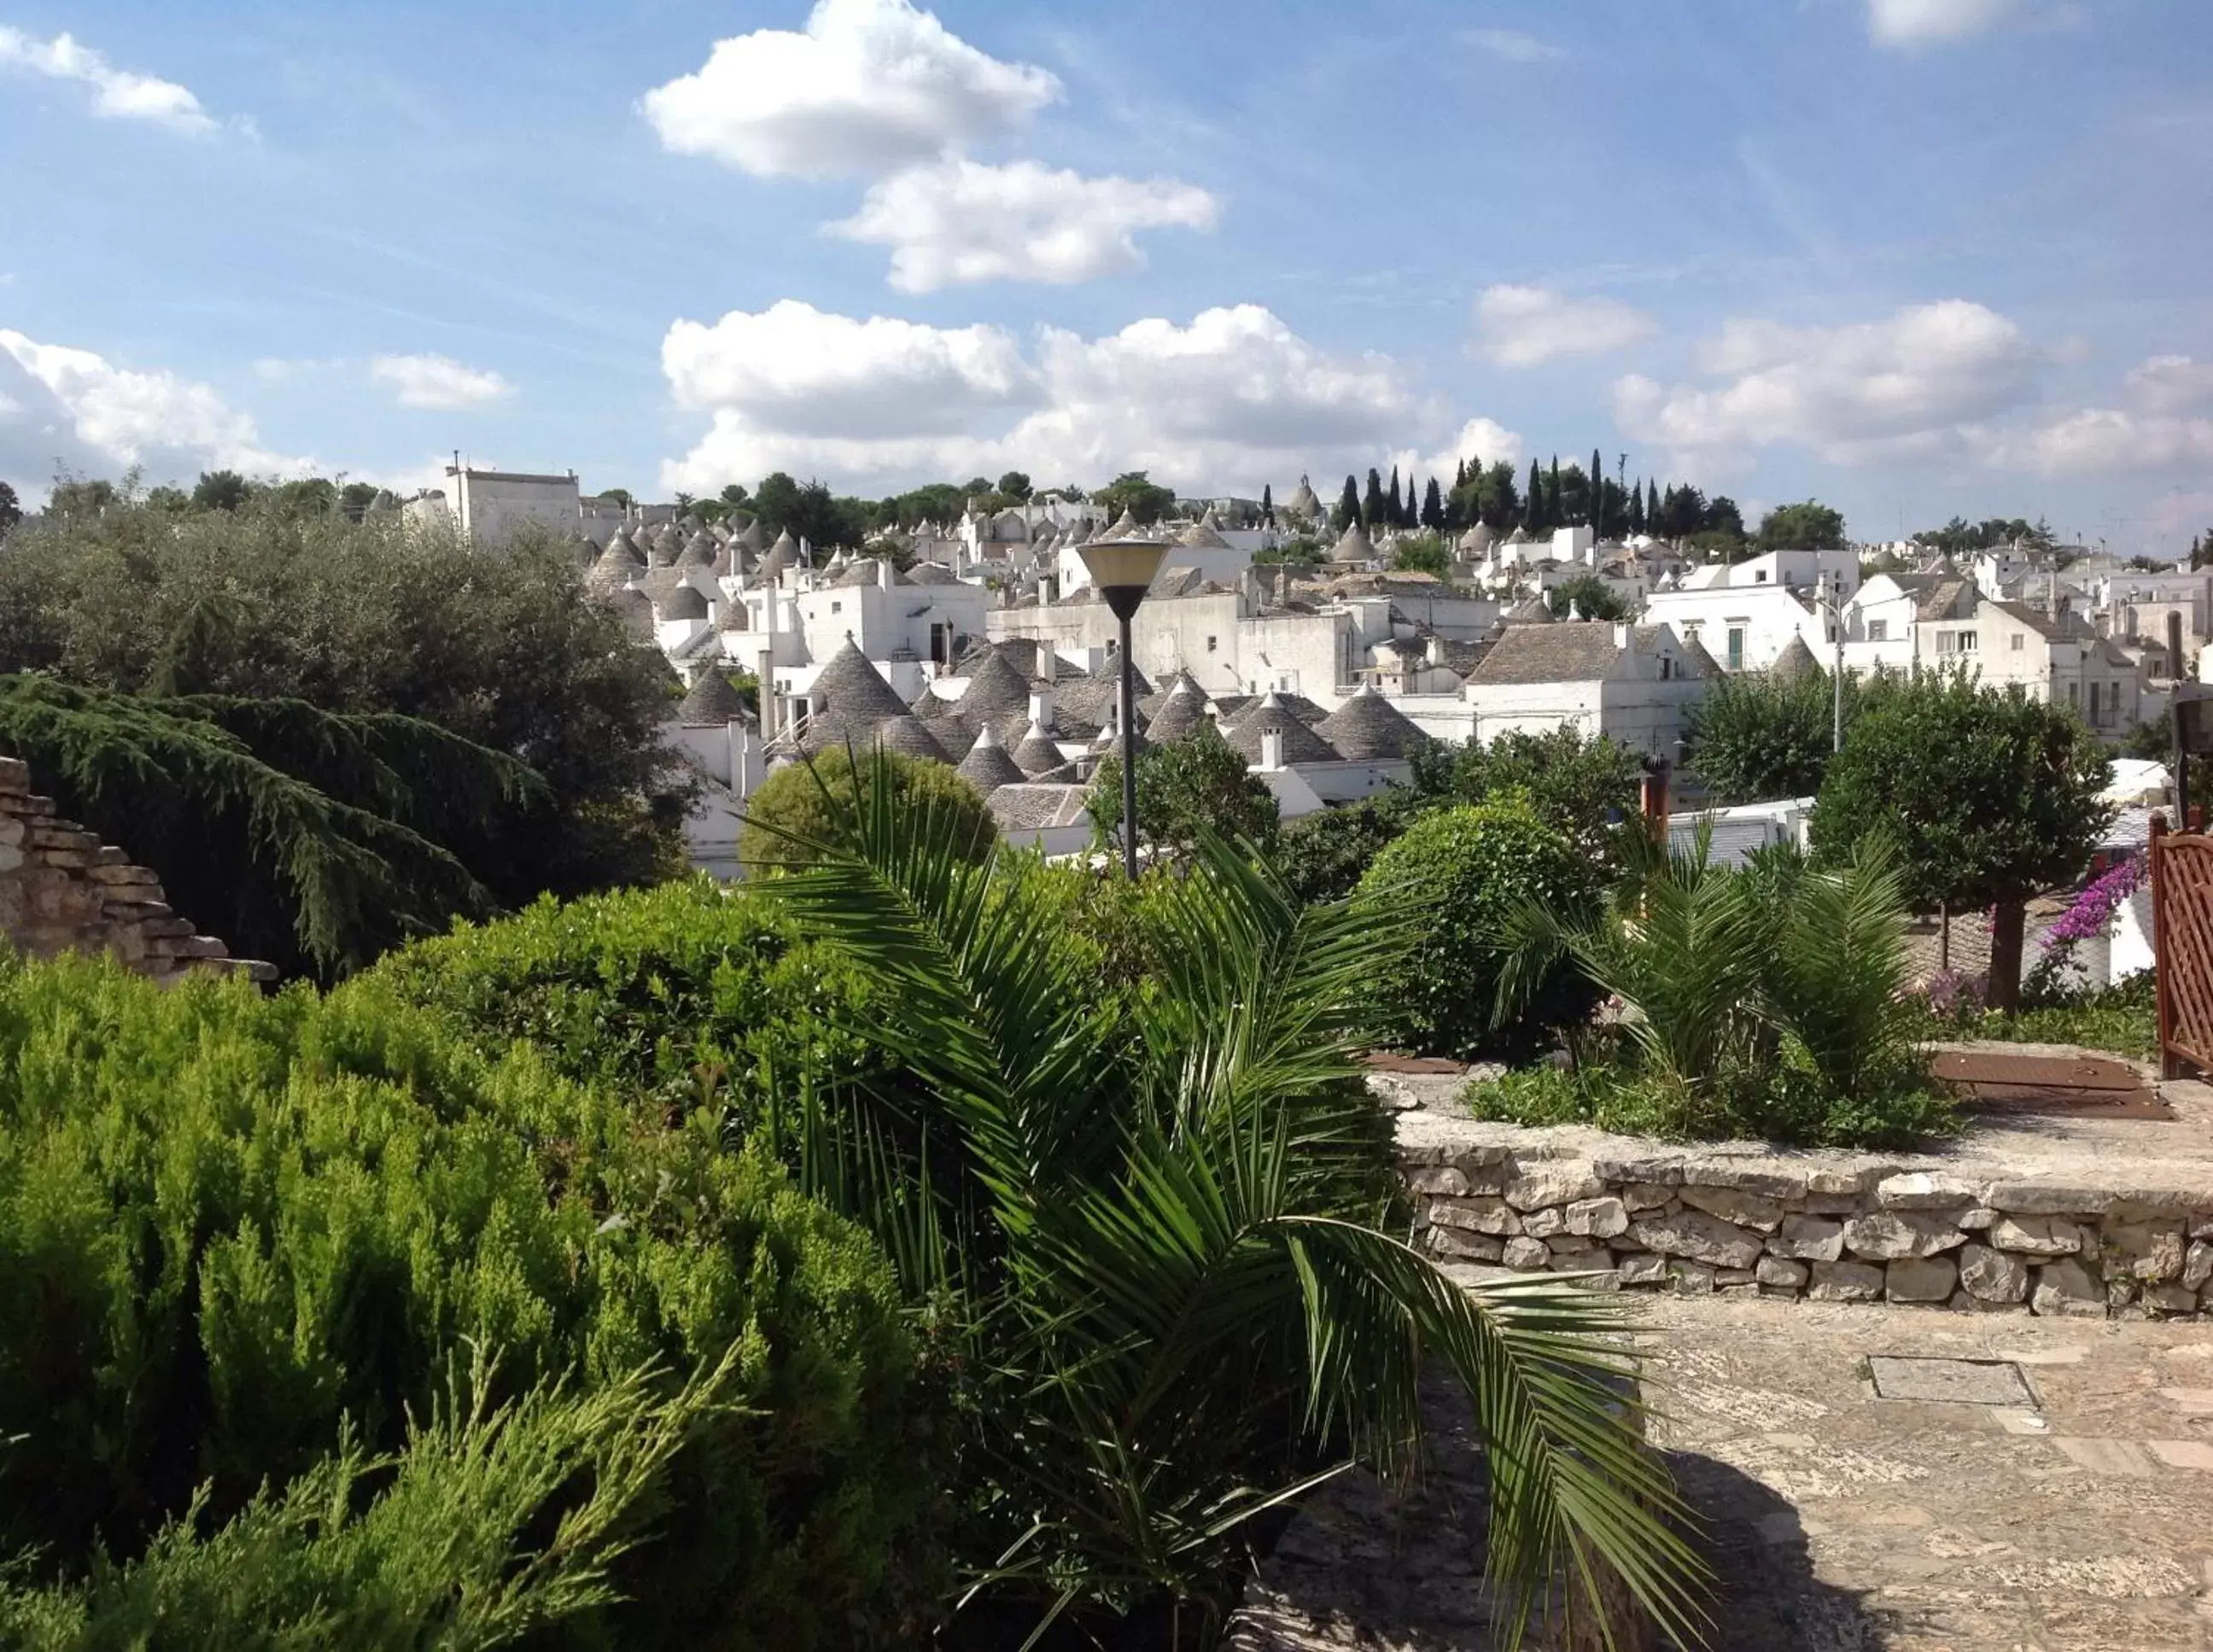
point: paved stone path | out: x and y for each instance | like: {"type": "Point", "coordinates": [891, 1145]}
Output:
{"type": "Point", "coordinates": [2081, 1521]}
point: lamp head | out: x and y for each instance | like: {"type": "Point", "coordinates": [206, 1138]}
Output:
{"type": "Point", "coordinates": [1122, 570]}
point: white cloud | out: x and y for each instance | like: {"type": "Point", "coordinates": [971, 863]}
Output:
{"type": "Point", "coordinates": [117, 93]}
{"type": "Point", "coordinates": [794, 369]}
{"type": "Point", "coordinates": [1234, 400]}
{"type": "Point", "coordinates": [75, 408]}
{"type": "Point", "coordinates": [2170, 384]}
{"type": "Point", "coordinates": [2096, 440]}
{"type": "Point", "coordinates": [1512, 45]}
{"type": "Point", "coordinates": [869, 85]}
{"type": "Point", "coordinates": [1480, 439]}
{"type": "Point", "coordinates": [1523, 326]}
{"type": "Point", "coordinates": [1911, 23]}
{"type": "Point", "coordinates": [1913, 385]}
{"type": "Point", "coordinates": [438, 382]}
{"type": "Point", "coordinates": [960, 221]}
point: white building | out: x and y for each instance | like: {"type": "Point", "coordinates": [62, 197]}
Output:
{"type": "Point", "coordinates": [1743, 627]}
{"type": "Point", "coordinates": [492, 506]}
{"type": "Point", "coordinates": [1634, 684]}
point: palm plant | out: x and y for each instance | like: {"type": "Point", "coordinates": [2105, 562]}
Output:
{"type": "Point", "coordinates": [1835, 968]}
{"type": "Point", "coordinates": [1151, 1226]}
{"type": "Point", "coordinates": [1681, 943]}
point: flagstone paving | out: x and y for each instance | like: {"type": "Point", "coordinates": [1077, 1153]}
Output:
{"type": "Point", "coordinates": [2077, 1519]}
{"type": "Point", "coordinates": [2081, 1522]}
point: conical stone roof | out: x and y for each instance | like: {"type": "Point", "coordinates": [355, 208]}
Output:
{"type": "Point", "coordinates": [1795, 663]}
{"type": "Point", "coordinates": [1125, 527]}
{"type": "Point", "coordinates": [942, 719]}
{"type": "Point", "coordinates": [1203, 536]}
{"type": "Point", "coordinates": [783, 554]}
{"type": "Point", "coordinates": [1301, 743]}
{"type": "Point", "coordinates": [1304, 501]}
{"type": "Point", "coordinates": [712, 701]}
{"type": "Point", "coordinates": [1036, 753]}
{"type": "Point", "coordinates": [667, 544]}
{"type": "Point", "coordinates": [683, 601]}
{"type": "Point", "coordinates": [1180, 714]}
{"type": "Point", "coordinates": [612, 569]}
{"type": "Point", "coordinates": [1352, 546]}
{"type": "Point", "coordinates": [752, 536]}
{"type": "Point", "coordinates": [988, 765]}
{"type": "Point", "coordinates": [855, 699]}
{"type": "Point", "coordinates": [1369, 728]}
{"type": "Point", "coordinates": [622, 542]}
{"type": "Point", "coordinates": [905, 734]}
{"type": "Point", "coordinates": [635, 609]}
{"type": "Point", "coordinates": [996, 691]}
{"type": "Point", "coordinates": [700, 551]}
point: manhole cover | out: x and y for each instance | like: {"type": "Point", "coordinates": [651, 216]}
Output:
{"type": "Point", "coordinates": [1965, 1381]}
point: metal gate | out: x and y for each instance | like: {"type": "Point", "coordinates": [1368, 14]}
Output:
{"type": "Point", "coordinates": [2182, 943]}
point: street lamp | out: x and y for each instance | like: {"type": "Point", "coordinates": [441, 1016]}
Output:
{"type": "Point", "coordinates": [1829, 593]}
{"type": "Point", "coordinates": [1122, 572]}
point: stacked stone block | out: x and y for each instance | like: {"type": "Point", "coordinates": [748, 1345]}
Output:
{"type": "Point", "coordinates": [63, 890]}
{"type": "Point", "coordinates": [1775, 1226]}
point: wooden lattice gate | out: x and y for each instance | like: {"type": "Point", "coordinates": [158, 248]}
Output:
{"type": "Point", "coordinates": [2182, 943]}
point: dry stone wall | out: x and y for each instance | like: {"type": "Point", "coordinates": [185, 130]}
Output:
{"type": "Point", "coordinates": [63, 890]}
{"type": "Point", "coordinates": [1828, 1226]}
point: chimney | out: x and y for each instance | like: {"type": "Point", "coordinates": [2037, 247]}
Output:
{"type": "Point", "coordinates": [1271, 748]}
{"type": "Point", "coordinates": [1041, 707]}
{"type": "Point", "coordinates": [885, 573]}
{"type": "Point", "coordinates": [1622, 636]}
{"type": "Point", "coordinates": [1434, 652]}
{"type": "Point", "coordinates": [1048, 662]}
{"type": "Point", "coordinates": [1045, 590]}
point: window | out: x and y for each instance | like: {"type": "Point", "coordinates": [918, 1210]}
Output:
{"type": "Point", "coordinates": [1956, 642]}
{"type": "Point", "coordinates": [836, 606]}
{"type": "Point", "coordinates": [1759, 576]}
{"type": "Point", "coordinates": [1210, 645]}
{"type": "Point", "coordinates": [2071, 694]}
{"type": "Point", "coordinates": [2019, 642]}
{"type": "Point", "coordinates": [1878, 630]}
{"type": "Point", "coordinates": [1736, 648]}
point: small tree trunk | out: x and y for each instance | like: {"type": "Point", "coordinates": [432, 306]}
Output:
{"type": "Point", "coordinates": [2007, 920]}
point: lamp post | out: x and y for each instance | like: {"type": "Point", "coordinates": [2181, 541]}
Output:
{"type": "Point", "coordinates": [1829, 593]}
{"type": "Point", "coordinates": [1122, 572]}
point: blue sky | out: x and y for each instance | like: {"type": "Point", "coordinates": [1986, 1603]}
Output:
{"type": "Point", "coordinates": [1912, 257]}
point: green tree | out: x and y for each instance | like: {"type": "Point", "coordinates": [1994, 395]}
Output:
{"type": "Point", "coordinates": [1322, 855]}
{"type": "Point", "coordinates": [1016, 485]}
{"type": "Point", "coordinates": [1433, 507]}
{"type": "Point", "coordinates": [1651, 507]}
{"type": "Point", "coordinates": [805, 810]}
{"type": "Point", "coordinates": [1147, 501]}
{"type": "Point", "coordinates": [1372, 510]}
{"type": "Point", "coordinates": [1394, 511]}
{"type": "Point", "coordinates": [1636, 513]}
{"type": "Point", "coordinates": [1755, 737]}
{"type": "Point", "coordinates": [1348, 506]}
{"type": "Point", "coordinates": [1990, 797]}
{"type": "Point", "coordinates": [1589, 596]}
{"type": "Point", "coordinates": [80, 499]}
{"type": "Point", "coordinates": [1268, 504]}
{"type": "Point", "coordinates": [1422, 553]}
{"type": "Point", "coordinates": [356, 497]}
{"type": "Point", "coordinates": [1597, 496]}
{"type": "Point", "coordinates": [495, 646]}
{"type": "Point", "coordinates": [1582, 787]}
{"type": "Point", "coordinates": [11, 509]}
{"type": "Point", "coordinates": [221, 491]}
{"type": "Point", "coordinates": [1807, 525]}
{"type": "Point", "coordinates": [1536, 521]}
{"type": "Point", "coordinates": [808, 511]}
{"type": "Point", "coordinates": [1186, 789]}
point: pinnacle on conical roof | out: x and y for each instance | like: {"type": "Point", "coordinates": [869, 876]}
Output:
{"type": "Point", "coordinates": [711, 701]}
{"type": "Point", "coordinates": [1369, 728]}
{"type": "Point", "coordinates": [783, 554]}
{"type": "Point", "coordinates": [1300, 743]}
{"type": "Point", "coordinates": [752, 536]}
{"type": "Point", "coordinates": [1304, 500]}
{"type": "Point", "coordinates": [1795, 661]}
{"type": "Point", "coordinates": [1125, 527]}
{"type": "Point", "coordinates": [1036, 753]}
{"type": "Point", "coordinates": [1182, 710]}
{"type": "Point", "coordinates": [622, 537]}
{"type": "Point", "coordinates": [988, 765]}
{"type": "Point", "coordinates": [1352, 546]}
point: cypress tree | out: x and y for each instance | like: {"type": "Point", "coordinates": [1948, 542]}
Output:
{"type": "Point", "coordinates": [1597, 497]}
{"type": "Point", "coordinates": [1552, 496]}
{"type": "Point", "coordinates": [1371, 507]}
{"type": "Point", "coordinates": [1391, 501]}
{"type": "Point", "coordinates": [1651, 507]}
{"type": "Point", "coordinates": [1535, 519]}
{"type": "Point", "coordinates": [1433, 507]}
{"type": "Point", "coordinates": [1348, 504]}
{"type": "Point", "coordinates": [1636, 506]}
{"type": "Point", "coordinates": [1459, 476]}
{"type": "Point", "coordinates": [1268, 504]}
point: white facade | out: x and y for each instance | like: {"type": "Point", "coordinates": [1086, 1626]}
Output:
{"type": "Point", "coordinates": [1744, 627]}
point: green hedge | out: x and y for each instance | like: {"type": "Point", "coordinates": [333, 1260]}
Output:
{"type": "Point", "coordinates": [227, 1222]}
{"type": "Point", "coordinates": [1468, 870]}
{"type": "Point", "coordinates": [689, 991]}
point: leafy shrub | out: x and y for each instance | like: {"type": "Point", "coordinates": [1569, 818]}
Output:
{"type": "Point", "coordinates": [1583, 786]}
{"type": "Point", "coordinates": [492, 1523]}
{"type": "Point", "coordinates": [1322, 855]}
{"type": "Point", "coordinates": [2122, 1018]}
{"type": "Point", "coordinates": [1466, 872]}
{"type": "Point", "coordinates": [811, 803]}
{"type": "Point", "coordinates": [227, 1222]}
{"type": "Point", "coordinates": [1186, 789]}
{"type": "Point", "coordinates": [684, 990]}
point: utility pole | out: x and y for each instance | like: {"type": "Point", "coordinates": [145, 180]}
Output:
{"type": "Point", "coordinates": [1827, 589]}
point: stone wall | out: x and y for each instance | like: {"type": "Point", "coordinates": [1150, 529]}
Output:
{"type": "Point", "coordinates": [63, 890]}
{"type": "Point", "coordinates": [1832, 1227]}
